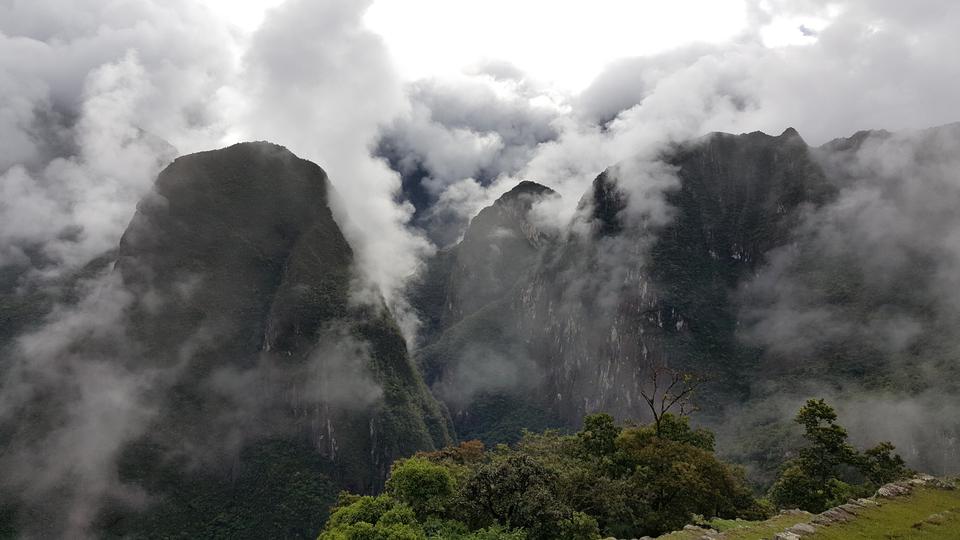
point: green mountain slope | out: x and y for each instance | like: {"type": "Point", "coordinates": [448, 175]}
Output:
{"type": "Point", "coordinates": [271, 389]}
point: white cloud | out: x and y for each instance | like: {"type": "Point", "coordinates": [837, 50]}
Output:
{"type": "Point", "coordinates": [567, 43]}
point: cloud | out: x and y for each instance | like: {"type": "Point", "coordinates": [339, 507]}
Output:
{"type": "Point", "coordinates": [864, 296]}
{"type": "Point", "coordinates": [255, 400]}
{"type": "Point", "coordinates": [320, 83]}
{"type": "Point", "coordinates": [92, 399]}
{"type": "Point", "coordinates": [872, 64]}
{"type": "Point", "coordinates": [89, 97]}
{"type": "Point", "coordinates": [890, 231]}
{"type": "Point", "coordinates": [470, 129]}
{"type": "Point", "coordinates": [92, 96]}
{"type": "Point", "coordinates": [480, 370]}
{"type": "Point", "coordinates": [96, 100]}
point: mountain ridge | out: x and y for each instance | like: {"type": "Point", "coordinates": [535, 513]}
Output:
{"type": "Point", "coordinates": [578, 330]}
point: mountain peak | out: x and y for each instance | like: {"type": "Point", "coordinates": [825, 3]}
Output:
{"type": "Point", "coordinates": [789, 132]}
{"type": "Point", "coordinates": [525, 188]}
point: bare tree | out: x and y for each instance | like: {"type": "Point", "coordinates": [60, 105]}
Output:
{"type": "Point", "coordinates": [669, 389]}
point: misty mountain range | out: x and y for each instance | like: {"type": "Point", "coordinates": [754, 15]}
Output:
{"type": "Point", "coordinates": [772, 268]}
{"type": "Point", "coordinates": [226, 370]}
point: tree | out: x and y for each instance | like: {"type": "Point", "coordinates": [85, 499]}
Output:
{"type": "Point", "coordinates": [677, 429]}
{"type": "Point", "coordinates": [824, 474]}
{"type": "Point", "coordinates": [624, 481]}
{"type": "Point", "coordinates": [599, 435]}
{"type": "Point", "coordinates": [795, 488]}
{"type": "Point", "coordinates": [828, 447]}
{"type": "Point", "coordinates": [427, 487]}
{"type": "Point", "coordinates": [372, 518]}
{"type": "Point", "coordinates": [674, 479]}
{"type": "Point", "coordinates": [881, 465]}
{"type": "Point", "coordinates": [519, 492]}
{"type": "Point", "coordinates": [669, 390]}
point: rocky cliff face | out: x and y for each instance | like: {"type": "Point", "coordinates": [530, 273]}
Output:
{"type": "Point", "coordinates": [471, 353]}
{"type": "Point", "coordinates": [777, 270]}
{"type": "Point", "coordinates": [271, 386]}
{"type": "Point", "coordinates": [243, 278]}
{"type": "Point", "coordinates": [649, 291]}
{"type": "Point", "coordinates": [499, 245]}
{"type": "Point", "coordinates": [630, 285]}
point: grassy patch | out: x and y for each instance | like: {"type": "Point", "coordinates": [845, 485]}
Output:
{"type": "Point", "coordinates": [766, 529]}
{"type": "Point", "coordinates": [927, 514]}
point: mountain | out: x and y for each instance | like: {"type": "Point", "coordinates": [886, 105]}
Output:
{"type": "Point", "coordinates": [715, 257]}
{"type": "Point", "coordinates": [497, 247]}
{"type": "Point", "coordinates": [272, 388]}
{"type": "Point", "coordinates": [463, 300]}
{"type": "Point", "coordinates": [617, 291]}
{"type": "Point", "coordinates": [225, 371]}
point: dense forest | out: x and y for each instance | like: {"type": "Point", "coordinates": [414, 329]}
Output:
{"type": "Point", "coordinates": [607, 479]}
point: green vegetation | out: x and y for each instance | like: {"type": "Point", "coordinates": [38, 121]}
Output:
{"type": "Point", "coordinates": [742, 529]}
{"type": "Point", "coordinates": [757, 530]}
{"type": "Point", "coordinates": [829, 471]}
{"type": "Point", "coordinates": [927, 514]}
{"type": "Point", "coordinates": [274, 494]}
{"type": "Point", "coordinates": [607, 479]}
{"type": "Point", "coordinates": [610, 479]}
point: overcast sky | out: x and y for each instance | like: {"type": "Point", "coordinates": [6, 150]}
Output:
{"type": "Point", "coordinates": [463, 98]}
{"type": "Point", "coordinates": [565, 43]}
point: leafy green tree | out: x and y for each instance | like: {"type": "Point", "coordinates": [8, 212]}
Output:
{"type": "Point", "coordinates": [599, 435]}
{"type": "Point", "coordinates": [372, 518]}
{"type": "Point", "coordinates": [673, 428]}
{"type": "Point", "coordinates": [456, 530]}
{"type": "Point", "coordinates": [881, 465]}
{"type": "Point", "coordinates": [355, 509]}
{"type": "Point", "coordinates": [624, 482]}
{"type": "Point", "coordinates": [674, 480]}
{"type": "Point", "coordinates": [825, 472]}
{"type": "Point", "coordinates": [519, 492]}
{"type": "Point", "coordinates": [426, 486]}
{"type": "Point", "coordinates": [590, 483]}
{"type": "Point", "coordinates": [828, 448]}
{"type": "Point", "coordinates": [796, 488]}
{"type": "Point", "coordinates": [495, 532]}
{"type": "Point", "coordinates": [812, 481]}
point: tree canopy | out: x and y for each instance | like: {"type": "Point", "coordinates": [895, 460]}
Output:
{"type": "Point", "coordinates": [829, 470]}
{"type": "Point", "coordinates": [607, 479]}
